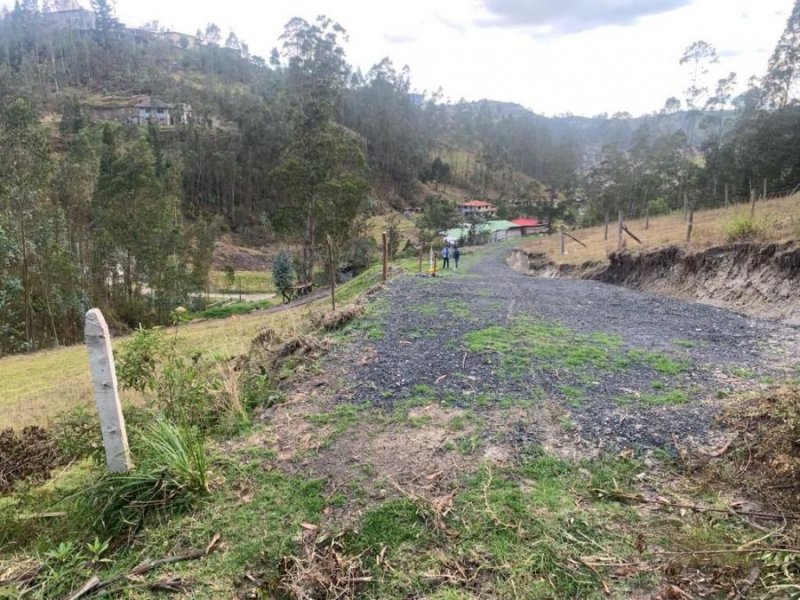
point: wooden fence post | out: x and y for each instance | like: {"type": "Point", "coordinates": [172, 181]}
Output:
{"type": "Point", "coordinates": [606, 235]}
{"type": "Point", "coordinates": [647, 215]}
{"type": "Point", "coordinates": [563, 250]}
{"type": "Point", "coordinates": [333, 273]}
{"type": "Point", "coordinates": [726, 195]}
{"type": "Point", "coordinates": [385, 256]}
{"type": "Point", "coordinates": [690, 225]}
{"type": "Point", "coordinates": [421, 252]}
{"type": "Point", "coordinates": [752, 203]}
{"type": "Point", "coordinates": [764, 196]}
{"type": "Point", "coordinates": [106, 393]}
{"type": "Point", "coordinates": [619, 231]}
{"type": "Point", "coordinates": [685, 206]}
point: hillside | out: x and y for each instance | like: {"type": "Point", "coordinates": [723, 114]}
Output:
{"type": "Point", "coordinates": [125, 153]}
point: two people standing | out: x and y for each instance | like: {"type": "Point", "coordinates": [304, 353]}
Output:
{"type": "Point", "coordinates": [448, 253]}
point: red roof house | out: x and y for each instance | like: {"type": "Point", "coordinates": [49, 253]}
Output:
{"type": "Point", "coordinates": [526, 222]}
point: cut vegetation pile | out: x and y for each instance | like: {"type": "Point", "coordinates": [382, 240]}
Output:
{"type": "Point", "coordinates": [27, 455]}
{"type": "Point", "coordinates": [764, 455]}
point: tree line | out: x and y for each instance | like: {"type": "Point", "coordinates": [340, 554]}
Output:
{"type": "Point", "coordinates": [725, 149]}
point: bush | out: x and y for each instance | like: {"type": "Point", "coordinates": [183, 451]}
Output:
{"type": "Point", "coordinates": [744, 229]}
{"type": "Point", "coordinates": [171, 473]}
{"type": "Point", "coordinates": [283, 273]}
{"type": "Point", "coordinates": [187, 389]}
{"type": "Point", "coordinates": [77, 435]}
{"type": "Point", "coordinates": [137, 363]}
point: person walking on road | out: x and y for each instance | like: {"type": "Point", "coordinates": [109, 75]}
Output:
{"type": "Point", "coordinates": [456, 255]}
{"type": "Point", "coordinates": [446, 257]}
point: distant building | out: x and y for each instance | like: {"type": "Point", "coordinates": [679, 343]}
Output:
{"type": "Point", "coordinates": [416, 99]}
{"type": "Point", "coordinates": [529, 226]}
{"type": "Point", "coordinates": [77, 18]}
{"type": "Point", "coordinates": [477, 207]}
{"type": "Point", "coordinates": [162, 113]}
{"type": "Point", "coordinates": [179, 40]}
{"type": "Point", "coordinates": [146, 111]}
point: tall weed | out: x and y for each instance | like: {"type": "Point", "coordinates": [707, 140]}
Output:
{"type": "Point", "coordinates": [172, 473]}
{"type": "Point", "coordinates": [742, 228]}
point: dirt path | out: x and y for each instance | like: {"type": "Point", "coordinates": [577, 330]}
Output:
{"type": "Point", "coordinates": [595, 367]}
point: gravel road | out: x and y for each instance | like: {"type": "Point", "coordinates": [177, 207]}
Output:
{"type": "Point", "coordinates": [419, 345]}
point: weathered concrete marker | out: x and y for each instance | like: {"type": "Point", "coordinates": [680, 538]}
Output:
{"type": "Point", "coordinates": [104, 378]}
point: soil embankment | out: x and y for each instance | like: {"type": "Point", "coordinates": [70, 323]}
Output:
{"type": "Point", "coordinates": [761, 280]}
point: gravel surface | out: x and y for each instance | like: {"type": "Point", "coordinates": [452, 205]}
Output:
{"type": "Point", "coordinates": [415, 341]}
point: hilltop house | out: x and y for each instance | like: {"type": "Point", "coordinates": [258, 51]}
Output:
{"type": "Point", "coordinates": [141, 113]}
{"type": "Point", "coordinates": [477, 207]}
{"type": "Point", "coordinates": [161, 113]}
{"type": "Point", "coordinates": [76, 17]}
{"type": "Point", "coordinates": [179, 40]}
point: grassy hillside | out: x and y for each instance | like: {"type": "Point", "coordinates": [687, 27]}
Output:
{"type": "Point", "coordinates": [775, 220]}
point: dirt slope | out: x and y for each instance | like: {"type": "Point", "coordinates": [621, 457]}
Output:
{"type": "Point", "coordinates": [761, 280]}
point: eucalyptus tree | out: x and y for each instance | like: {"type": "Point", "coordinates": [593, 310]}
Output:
{"type": "Point", "coordinates": [783, 71]}
{"type": "Point", "coordinates": [321, 177]}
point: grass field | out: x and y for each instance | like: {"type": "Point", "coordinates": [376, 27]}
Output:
{"type": "Point", "coordinates": [251, 282]}
{"type": "Point", "coordinates": [377, 225]}
{"type": "Point", "coordinates": [36, 387]}
{"type": "Point", "coordinates": [778, 218]}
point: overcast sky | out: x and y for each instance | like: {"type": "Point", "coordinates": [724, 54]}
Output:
{"type": "Point", "coordinates": [552, 56]}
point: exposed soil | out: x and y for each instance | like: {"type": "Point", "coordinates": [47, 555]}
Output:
{"type": "Point", "coordinates": [228, 251]}
{"type": "Point", "coordinates": [760, 280]}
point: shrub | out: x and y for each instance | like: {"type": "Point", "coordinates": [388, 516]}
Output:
{"type": "Point", "coordinates": [137, 363]}
{"type": "Point", "coordinates": [744, 229]}
{"type": "Point", "coordinates": [186, 389]}
{"type": "Point", "coordinates": [171, 473]}
{"type": "Point", "coordinates": [77, 435]}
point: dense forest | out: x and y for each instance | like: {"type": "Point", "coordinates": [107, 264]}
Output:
{"type": "Point", "coordinates": [100, 211]}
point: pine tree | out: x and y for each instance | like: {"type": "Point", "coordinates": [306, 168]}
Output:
{"type": "Point", "coordinates": [105, 21]}
{"type": "Point", "coordinates": [283, 274]}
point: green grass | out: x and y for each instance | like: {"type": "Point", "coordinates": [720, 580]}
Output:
{"type": "Point", "coordinates": [457, 308]}
{"type": "Point", "coordinates": [575, 397]}
{"type": "Point", "coordinates": [37, 387]}
{"type": "Point", "coordinates": [526, 340]}
{"type": "Point", "coordinates": [742, 373]}
{"type": "Point", "coordinates": [339, 420]}
{"type": "Point", "coordinates": [558, 346]}
{"type": "Point", "coordinates": [522, 529]}
{"type": "Point", "coordinates": [252, 282]}
{"type": "Point", "coordinates": [743, 228]}
{"type": "Point", "coordinates": [237, 308]}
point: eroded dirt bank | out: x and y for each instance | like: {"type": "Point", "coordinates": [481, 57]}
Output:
{"type": "Point", "coordinates": [761, 280]}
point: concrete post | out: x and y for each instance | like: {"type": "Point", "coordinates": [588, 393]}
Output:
{"type": "Point", "coordinates": [104, 379]}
